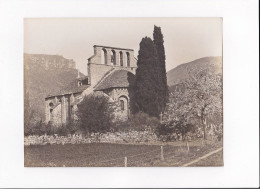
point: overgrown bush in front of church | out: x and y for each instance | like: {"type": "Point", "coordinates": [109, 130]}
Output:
{"type": "Point", "coordinates": [95, 114]}
{"type": "Point", "coordinates": [137, 122]}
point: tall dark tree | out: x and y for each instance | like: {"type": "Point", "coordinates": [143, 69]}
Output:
{"type": "Point", "coordinates": [159, 45]}
{"type": "Point", "coordinates": [146, 85]}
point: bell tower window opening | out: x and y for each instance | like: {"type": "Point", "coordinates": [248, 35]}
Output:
{"type": "Point", "coordinates": [104, 56]}
{"type": "Point", "coordinates": [113, 57]}
{"type": "Point", "coordinates": [128, 59]}
{"type": "Point", "coordinates": [121, 58]}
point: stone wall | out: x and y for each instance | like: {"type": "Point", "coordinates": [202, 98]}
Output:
{"type": "Point", "coordinates": [56, 116]}
{"type": "Point", "coordinates": [131, 137]}
{"type": "Point", "coordinates": [96, 72]}
{"type": "Point", "coordinates": [117, 95]}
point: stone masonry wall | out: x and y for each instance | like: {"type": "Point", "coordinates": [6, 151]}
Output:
{"type": "Point", "coordinates": [117, 137]}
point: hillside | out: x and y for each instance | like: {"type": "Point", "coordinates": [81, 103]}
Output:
{"type": "Point", "coordinates": [183, 71]}
{"type": "Point", "coordinates": [44, 75]}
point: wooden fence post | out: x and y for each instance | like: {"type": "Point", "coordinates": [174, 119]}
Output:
{"type": "Point", "coordinates": [161, 117]}
{"type": "Point", "coordinates": [188, 147]}
{"type": "Point", "coordinates": [125, 161]}
{"type": "Point", "coordinates": [162, 158]}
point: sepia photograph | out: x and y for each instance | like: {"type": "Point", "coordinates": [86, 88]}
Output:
{"type": "Point", "coordinates": [123, 92]}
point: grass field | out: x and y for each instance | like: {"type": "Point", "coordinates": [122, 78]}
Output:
{"type": "Point", "coordinates": [113, 155]}
{"type": "Point", "coordinates": [213, 160]}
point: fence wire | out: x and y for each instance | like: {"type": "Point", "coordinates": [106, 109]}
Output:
{"type": "Point", "coordinates": [140, 158]}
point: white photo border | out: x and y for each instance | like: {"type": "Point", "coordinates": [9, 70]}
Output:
{"type": "Point", "coordinates": [241, 96]}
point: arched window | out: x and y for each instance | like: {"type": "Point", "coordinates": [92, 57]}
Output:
{"type": "Point", "coordinates": [122, 106]}
{"type": "Point", "coordinates": [51, 104]}
{"type": "Point", "coordinates": [123, 103]}
{"type": "Point", "coordinates": [104, 56]}
{"type": "Point", "coordinates": [79, 83]}
{"type": "Point", "coordinates": [121, 58]}
{"type": "Point", "coordinates": [128, 59]}
{"type": "Point", "coordinates": [113, 57]}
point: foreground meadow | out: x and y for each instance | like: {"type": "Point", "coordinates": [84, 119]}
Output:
{"type": "Point", "coordinates": [119, 155]}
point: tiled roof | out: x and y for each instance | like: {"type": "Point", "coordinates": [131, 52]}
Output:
{"type": "Point", "coordinates": [118, 78]}
{"type": "Point", "coordinates": [71, 88]}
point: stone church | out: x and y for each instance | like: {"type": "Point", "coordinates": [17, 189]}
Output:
{"type": "Point", "coordinates": [110, 71]}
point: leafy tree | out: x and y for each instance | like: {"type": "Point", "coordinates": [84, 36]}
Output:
{"type": "Point", "coordinates": [196, 99]}
{"type": "Point", "coordinates": [95, 114]}
{"type": "Point", "coordinates": [146, 84]}
{"type": "Point", "coordinates": [161, 70]}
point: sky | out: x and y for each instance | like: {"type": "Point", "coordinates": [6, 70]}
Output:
{"type": "Point", "coordinates": [185, 39]}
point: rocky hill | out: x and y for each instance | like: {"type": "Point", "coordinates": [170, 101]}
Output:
{"type": "Point", "coordinates": [44, 75]}
{"type": "Point", "coordinates": [183, 71]}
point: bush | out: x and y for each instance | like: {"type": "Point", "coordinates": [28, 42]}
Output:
{"type": "Point", "coordinates": [63, 131]}
{"type": "Point", "coordinates": [165, 131]}
{"type": "Point", "coordinates": [138, 122]}
{"type": "Point", "coordinates": [95, 114]}
{"type": "Point", "coordinates": [174, 130]}
{"type": "Point", "coordinates": [40, 128]}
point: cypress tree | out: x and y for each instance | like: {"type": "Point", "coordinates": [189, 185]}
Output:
{"type": "Point", "coordinates": [159, 45]}
{"type": "Point", "coordinates": [146, 85]}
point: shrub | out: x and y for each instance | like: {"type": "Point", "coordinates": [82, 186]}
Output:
{"type": "Point", "coordinates": [165, 128]}
{"type": "Point", "coordinates": [63, 131]}
{"type": "Point", "coordinates": [183, 128]}
{"type": "Point", "coordinates": [137, 122]}
{"type": "Point", "coordinates": [173, 130]}
{"type": "Point", "coordinates": [72, 127]}
{"type": "Point", "coordinates": [95, 114]}
{"type": "Point", "coordinates": [40, 128]}
{"type": "Point", "coordinates": [165, 131]}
